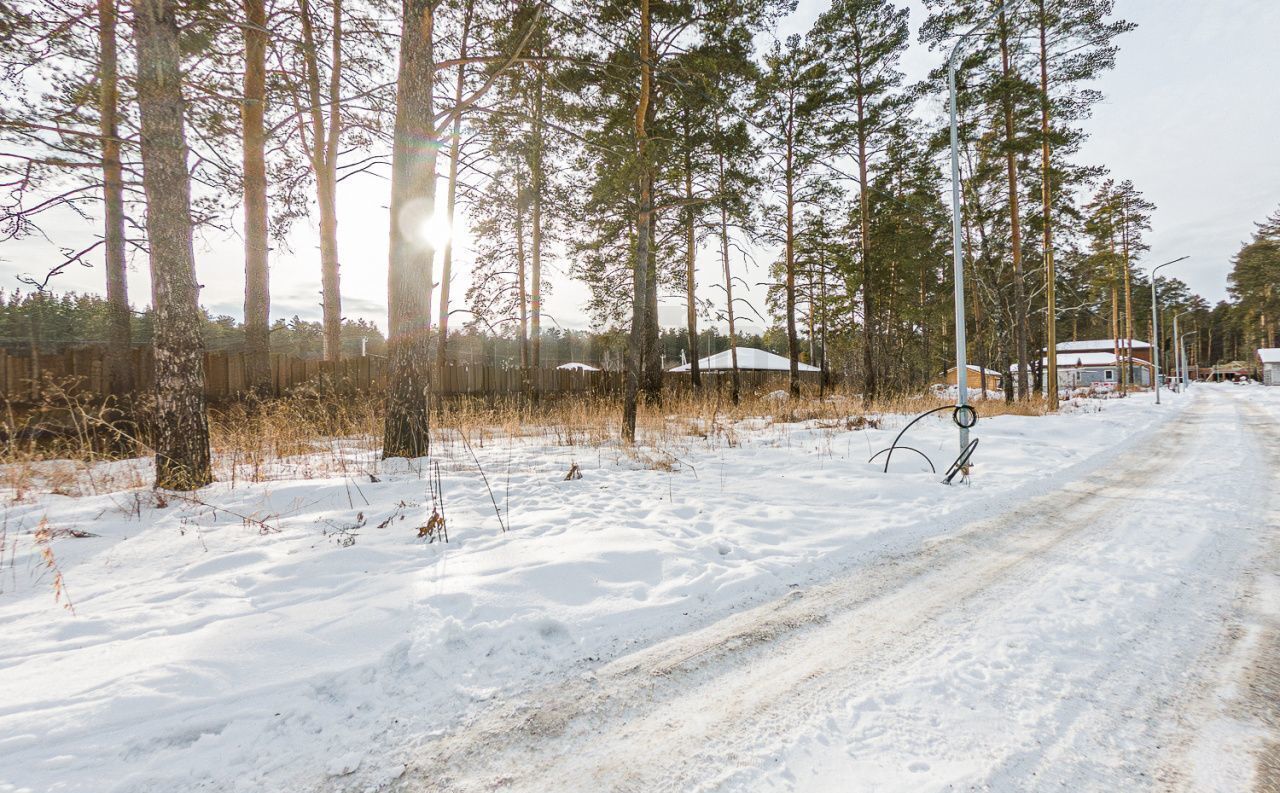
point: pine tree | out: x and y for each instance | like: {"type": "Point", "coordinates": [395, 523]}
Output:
{"type": "Point", "coordinates": [455, 159]}
{"type": "Point", "coordinates": [1254, 283]}
{"type": "Point", "coordinates": [869, 36]}
{"type": "Point", "coordinates": [1076, 44]}
{"type": "Point", "coordinates": [792, 94]}
{"type": "Point", "coordinates": [182, 430]}
{"type": "Point", "coordinates": [418, 129]}
{"type": "Point", "coordinates": [1000, 102]}
{"type": "Point", "coordinates": [257, 287]}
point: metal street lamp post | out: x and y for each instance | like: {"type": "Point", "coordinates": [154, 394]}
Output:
{"type": "Point", "coordinates": [1182, 345]}
{"type": "Point", "coordinates": [1155, 322]}
{"type": "Point", "coordinates": [1177, 357]}
{"type": "Point", "coordinates": [957, 260]}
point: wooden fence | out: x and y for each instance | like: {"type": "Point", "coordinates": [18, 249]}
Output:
{"type": "Point", "coordinates": [82, 370]}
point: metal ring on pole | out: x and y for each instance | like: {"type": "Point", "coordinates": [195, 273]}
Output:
{"type": "Point", "coordinates": [964, 417]}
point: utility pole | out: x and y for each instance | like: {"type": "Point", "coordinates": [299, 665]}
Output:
{"type": "Point", "coordinates": [957, 257]}
{"type": "Point", "coordinates": [1182, 345]}
{"type": "Point", "coordinates": [1177, 356]}
{"type": "Point", "coordinates": [1155, 321]}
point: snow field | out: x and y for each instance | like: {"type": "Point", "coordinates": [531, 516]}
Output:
{"type": "Point", "coordinates": [297, 635]}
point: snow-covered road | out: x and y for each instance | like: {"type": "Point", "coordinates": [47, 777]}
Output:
{"type": "Point", "coordinates": [1116, 633]}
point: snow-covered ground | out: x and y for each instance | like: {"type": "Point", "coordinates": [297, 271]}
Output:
{"type": "Point", "coordinates": [298, 635]}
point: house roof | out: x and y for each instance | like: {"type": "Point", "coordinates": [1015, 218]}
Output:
{"type": "Point", "coordinates": [1086, 359]}
{"type": "Point", "coordinates": [579, 367]}
{"type": "Point", "coordinates": [1269, 354]}
{"type": "Point", "coordinates": [972, 368]}
{"type": "Point", "coordinates": [748, 358]}
{"type": "Point", "coordinates": [1101, 345]}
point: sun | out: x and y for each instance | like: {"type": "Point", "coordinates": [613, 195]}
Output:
{"type": "Point", "coordinates": [436, 230]}
{"type": "Point", "coordinates": [425, 225]}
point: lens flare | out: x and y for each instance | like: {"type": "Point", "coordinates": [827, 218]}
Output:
{"type": "Point", "coordinates": [435, 230]}
{"type": "Point", "coordinates": [425, 226]}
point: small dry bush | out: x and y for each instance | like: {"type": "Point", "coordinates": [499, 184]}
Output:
{"type": "Point", "coordinates": [60, 442]}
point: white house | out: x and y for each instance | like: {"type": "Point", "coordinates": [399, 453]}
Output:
{"type": "Point", "coordinates": [1090, 361]}
{"type": "Point", "coordinates": [1269, 360]}
{"type": "Point", "coordinates": [750, 359]}
{"type": "Point", "coordinates": [1077, 369]}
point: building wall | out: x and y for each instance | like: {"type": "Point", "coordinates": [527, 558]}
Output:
{"type": "Point", "coordinates": [974, 379]}
{"type": "Point", "coordinates": [1271, 374]}
{"type": "Point", "coordinates": [1076, 376]}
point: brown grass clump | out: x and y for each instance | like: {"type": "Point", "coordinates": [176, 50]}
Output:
{"type": "Point", "coordinates": [43, 535]}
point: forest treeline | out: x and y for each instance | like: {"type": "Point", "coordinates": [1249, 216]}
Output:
{"type": "Point", "coordinates": [615, 142]}
{"type": "Point", "coordinates": [49, 323]}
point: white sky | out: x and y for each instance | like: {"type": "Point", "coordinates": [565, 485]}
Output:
{"type": "Point", "coordinates": [1190, 116]}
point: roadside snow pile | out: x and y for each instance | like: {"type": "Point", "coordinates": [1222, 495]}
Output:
{"type": "Point", "coordinates": [297, 634]}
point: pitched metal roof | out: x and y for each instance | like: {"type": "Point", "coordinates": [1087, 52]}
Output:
{"type": "Point", "coordinates": [1101, 345]}
{"type": "Point", "coordinates": [748, 358]}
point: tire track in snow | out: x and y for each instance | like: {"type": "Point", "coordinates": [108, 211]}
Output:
{"type": "Point", "coordinates": [1232, 710]}
{"type": "Point", "coordinates": [683, 713]}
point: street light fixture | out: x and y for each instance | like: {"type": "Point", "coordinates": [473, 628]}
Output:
{"type": "Point", "coordinates": [957, 260]}
{"type": "Point", "coordinates": [1155, 321]}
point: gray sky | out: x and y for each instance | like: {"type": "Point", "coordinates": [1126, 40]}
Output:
{"type": "Point", "coordinates": [1190, 116]}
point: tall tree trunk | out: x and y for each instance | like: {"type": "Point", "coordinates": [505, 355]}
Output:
{"type": "Point", "coordinates": [1128, 296]}
{"type": "Point", "coordinates": [455, 152]}
{"type": "Point", "coordinates": [1015, 223]}
{"type": "Point", "coordinates": [811, 320]}
{"type": "Point", "coordinates": [413, 197]}
{"type": "Point", "coordinates": [182, 428]}
{"type": "Point", "coordinates": [925, 336]}
{"type": "Point", "coordinates": [691, 250]}
{"type": "Point", "coordinates": [869, 383]}
{"type": "Point", "coordinates": [1115, 328]}
{"type": "Point", "coordinates": [652, 350]}
{"type": "Point", "coordinates": [735, 391]}
{"type": "Point", "coordinates": [119, 357]}
{"type": "Point", "coordinates": [1046, 194]}
{"type": "Point", "coordinates": [522, 287]}
{"type": "Point", "coordinates": [535, 219]}
{"type": "Point", "coordinates": [640, 264]}
{"type": "Point", "coordinates": [324, 163]}
{"type": "Point", "coordinates": [793, 342]}
{"type": "Point", "coordinates": [257, 288]}
{"type": "Point", "coordinates": [33, 338]}
{"type": "Point", "coordinates": [822, 348]}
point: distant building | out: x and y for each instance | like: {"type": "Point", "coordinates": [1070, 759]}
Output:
{"type": "Point", "coordinates": [750, 359]}
{"type": "Point", "coordinates": [1141, 350]}
{"type": "Point", "coordinates": [1269, 360]}
{"type": "Point", "coordinates": [578, 367]}
{"type": "Point", "coordinates": [1095, 362]}
{"type": "Point", "coordinates": [994, 380]}
{"type": "Point", "coordinates": [1230, 371]}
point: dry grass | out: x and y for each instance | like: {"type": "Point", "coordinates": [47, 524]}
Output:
{"type": "Point", "coordinates": [77, 446]}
